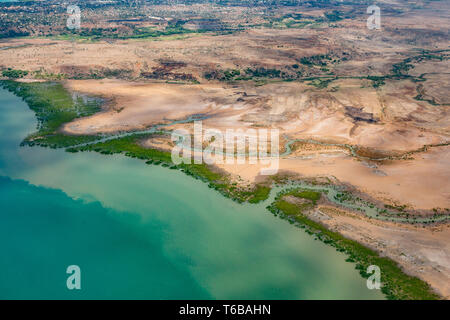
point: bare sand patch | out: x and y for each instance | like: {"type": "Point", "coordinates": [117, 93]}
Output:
{"type": "Point", "coordinates": [134, 106]}
{"type": "Point", "coordinates": [421, 184]}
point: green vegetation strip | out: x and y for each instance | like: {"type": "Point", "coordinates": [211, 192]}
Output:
{"type": "Point", "coordinates": [131, 147]}
{"type": "Point", "coordinates": [53, 106]}
{"type": "Point", "coordinates": [395, 283]}
{"type": "Point", "coordinates": [96, 34]}
{"type": "Point", "coordinates": [14, 74]}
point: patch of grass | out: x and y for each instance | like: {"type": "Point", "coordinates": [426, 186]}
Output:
{"type": "Point", "coordinates": [141, 33]}
{"type": "Point", "coordinates": [127, 145]}
{"type": "Point", "coordinates": [344, 196]}
{"type": "Point", "coordinates": [260, 193]}
{"type": "Point", "coordinates": [377, 81]}
{"type": "Point", "coordinates": [395, 283]}
{"type": "Point", "coordinates": [97, 34]}
{"type": "Point", "coordinates": [395, 207]}
{"type": "Point", "coordinates": [317, 60]}
{"type": "Point", "coordinates": [14, 74]}
{"type": "Point", "coordinates": [314, 196]}
{"type": "Point", "coordinates": [258, 74]}
{"type": "Point", "coordinates": [53, 106]}
{"type": "Point", "coordinates": [321, 83]}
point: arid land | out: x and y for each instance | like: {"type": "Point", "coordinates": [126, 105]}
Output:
{"type": "Point", "coordinates": [328, 81]}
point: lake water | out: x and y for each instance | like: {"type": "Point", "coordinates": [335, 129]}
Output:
{"type": "Point", "coordinates": [139, 231]}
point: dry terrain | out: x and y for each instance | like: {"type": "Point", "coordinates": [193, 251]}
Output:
{"type": "Point", "coordinates": [329, 84]}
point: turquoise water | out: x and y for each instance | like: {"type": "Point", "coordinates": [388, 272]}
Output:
{"type": "Point", "coordinates": [140, 231]}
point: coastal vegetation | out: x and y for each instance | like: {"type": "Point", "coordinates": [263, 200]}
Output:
{"type": "Point", "coordinates": [395, 283]}
{"type": "Point", "coordinates": [53, 106]}
{"type": "Point", "coordinates": [312, 196]}
{"type": "Point", "coordinates": [14, 74]}
{"type": "Point", "coordinates": [130, 146]}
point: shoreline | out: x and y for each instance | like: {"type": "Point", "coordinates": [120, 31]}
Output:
{"type": "Point", "coordinates": [216, 180]}
{"type": "Point", "coordinates": [262, 194]}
